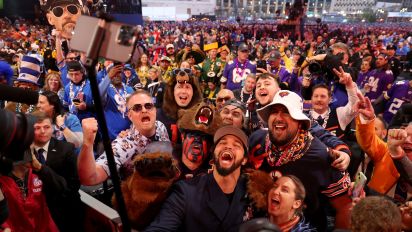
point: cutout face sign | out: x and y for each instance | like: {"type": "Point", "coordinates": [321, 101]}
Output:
{"type": "Point", "coordinates": [63, 15]}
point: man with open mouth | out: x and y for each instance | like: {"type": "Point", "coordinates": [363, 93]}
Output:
{"type": "Point", "coordinates": [215, 201]}
{"type": "Point", "coordinates": [289, 149]}
{"type": "Point", "coordinates": [144, 130]}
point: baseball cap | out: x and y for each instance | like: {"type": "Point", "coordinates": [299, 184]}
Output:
{"type": "Point", "coordinates": [391, 47]}
{"type": "Point", "coordinates": [166, 59]}
{"type": "Point", "coordinates": [274, 55]}
{"type": "Point", "coordinates": [243, 47]}
{"type": "Point", "coordinates": [236, 103]}
{"type": "Point", "coordinates": [169, 46]}
{"type": "Point", "coordinates": [73, 66]}
{"type": "Point", "coordinates": [231, 130]}
{"type": "Point", "coordinates": [53, 3]}
{"type": "Point", "coordinates": [291, 101]}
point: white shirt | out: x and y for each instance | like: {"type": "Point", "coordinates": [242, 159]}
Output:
{"type": "Point", "coordinates": [45, 148]}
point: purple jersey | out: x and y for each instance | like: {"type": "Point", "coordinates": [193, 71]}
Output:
{"type": "Point", "coordinates": [362, 79]}
{"type": "Point", "coordinates": [282, 73]}
{"type": "Point", "coordinates": [399, 93]}
{"type": "Point", "coordinates": [378, 82]}
{"type": "Point", "coordinates": [236, 73]}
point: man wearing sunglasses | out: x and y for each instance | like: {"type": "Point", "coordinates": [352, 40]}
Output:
{"type": "Point", "coordinates": [222, 96]}
{"type": "Point", "coordinates": [63, 15]}
{"type": "Point", "coordinates": [144, 130]}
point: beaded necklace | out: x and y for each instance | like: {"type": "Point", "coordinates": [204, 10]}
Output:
{"type": "Point", "coordinates": [122, 101]}
{"type": "Point", "coordinates": [241, 96]}
{"type": "Point", "coordinates": [71, 93]}
{"type": "Point", "coordinates": [28, 111]}
{"type": "Point", "coordinates": [294, 151]}
{"type": "Point", "coordinates": [243, 68]}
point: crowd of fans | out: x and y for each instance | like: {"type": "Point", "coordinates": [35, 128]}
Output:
{"type": "Point", "coordinates": [312, 111]}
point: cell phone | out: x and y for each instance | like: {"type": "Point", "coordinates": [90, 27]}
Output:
{"type": "Point", "coordinates": [76, 101]}
{"type": "Point", "coordinates": [118, 42]}
{"type": "Point", "coordinates": [360, 182]}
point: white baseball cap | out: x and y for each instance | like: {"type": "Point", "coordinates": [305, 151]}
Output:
{"type": "Point", "coordinates": [291, 101]}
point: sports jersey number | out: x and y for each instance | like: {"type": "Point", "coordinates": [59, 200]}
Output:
{"type": "Point", "coordinates": [396, 104]}
{"type": "Point", "coordinates": [373, 83]}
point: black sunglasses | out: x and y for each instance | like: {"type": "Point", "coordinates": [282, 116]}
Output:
{"type": "Point", "coordinates": [182, 71]}
{"type": "Point", "coordinates": [221, 99]}
{"type": "Point", "coordinates": [139, 107]}
{"type": "Point", "coordinates": [59, 10]}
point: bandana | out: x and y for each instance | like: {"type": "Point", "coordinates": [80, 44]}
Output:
{"type": "Point", "coordinates": [294, 151]}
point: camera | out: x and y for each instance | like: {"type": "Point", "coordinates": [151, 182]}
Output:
{"type": "Point", "coordinates": [118, 42]}
{"type": "Point", "coordinates": [16, 137]}
{"type": "Point", "coordinates": [325, 68]}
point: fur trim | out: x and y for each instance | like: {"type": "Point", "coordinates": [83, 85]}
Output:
{"type": "Point", "coordinates": [192, 119]}
{"type": "Point", "coordinates": [258, 186]}
{"type": "Point", "coordinates": [145, 191]}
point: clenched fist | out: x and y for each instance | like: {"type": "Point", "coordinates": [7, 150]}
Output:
{"type": "Point", "coordinates": [90, 128]}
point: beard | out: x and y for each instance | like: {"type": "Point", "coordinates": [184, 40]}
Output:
{"type": "Point", "coordinates": [226, 171]}
{"type": "Point", "coordinates": [281, 141]}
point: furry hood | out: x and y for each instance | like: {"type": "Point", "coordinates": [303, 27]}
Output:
{"type": "Point", "coordinates": [202, 117]}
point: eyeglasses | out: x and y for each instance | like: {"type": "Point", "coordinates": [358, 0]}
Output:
{"type": "Point", "coordinates": [221, 99]}
{"type": "Point", "coordinates": [182, 71]}
{"type": "Point", "coordinates": [139, 107]}
{"type": "Point", "coordinates": [59, 10]}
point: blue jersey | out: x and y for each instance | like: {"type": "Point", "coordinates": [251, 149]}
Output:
{"type": "Point", "coordinates": [71, 122]}
{"type": "Point", "coordinates": [114, 101]}
{"type": "Point", "coordinates": [63, 75]}
{"type": "Point", "coordinates": [236, 73]}
{"type": "Point", "coordinates": [397, 95]}
{"type": "Point", "coordinates": [378, 81]}
{"type": "Point", "coordinates": [115, 110]}
{"type": "Point", "coordinates": [81, 92]}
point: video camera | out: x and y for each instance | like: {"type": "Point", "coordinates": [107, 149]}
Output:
{"type": "Point", "coordinates": [16, 137]}
{"type": "Point", "coordinates": [325, 68]}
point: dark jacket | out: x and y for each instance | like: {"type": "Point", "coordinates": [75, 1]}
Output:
{"type": "Point", "coordinates": [199, 204]}
{"type": "Point", "coordinates": [61, 185]}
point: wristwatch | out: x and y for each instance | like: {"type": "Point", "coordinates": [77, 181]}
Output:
{"type": "Point", "coordinates": [62, 127]}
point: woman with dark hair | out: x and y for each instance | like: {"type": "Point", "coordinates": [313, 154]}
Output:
{"type": "Point", "coordinates": [182, 92]}
{"type": "Point", "coordinates": [286, 203]}
{"type": "Point", "coordinates": [67, 126]}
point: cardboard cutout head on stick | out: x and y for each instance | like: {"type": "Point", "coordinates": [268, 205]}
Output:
{"type": "Point", "coordinates": [63, 15]}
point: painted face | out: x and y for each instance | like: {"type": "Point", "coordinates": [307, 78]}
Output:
{"type": "Point", "coordinates": [229, 155]}
{"type": "Point", "coordinates": [195, 147]}
{"type": "Point", "coordinates": [282, 127]}
{"type": "Point", "coordinates": [183, 93]}
{"type": "Point", "coordinates": [282, 201]}
{"type": "Point", "coordinates": [43, 131]}
{"type": "Point", "coordinates": [44, 105]}
{"type": "Point", "coordinates": [64, 18]}
{"type": "Point", "coordinates": [320, 100]}
{"type": "Point", "coordinates": [232, 115]}
{"type": "Point", "coordinates": [266, 90]}
{"type": "Point", "coordinates": [142, 113]}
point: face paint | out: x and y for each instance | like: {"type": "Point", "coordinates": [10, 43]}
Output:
{"type": "Point", "coordinates": [195, 147]}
